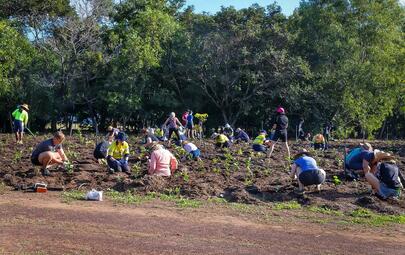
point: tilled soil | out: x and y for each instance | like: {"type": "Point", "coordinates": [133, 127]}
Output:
{"type": "Point", "coordinates": [34, 223]}
{"type": "Point", "coordinates": [238, 175]}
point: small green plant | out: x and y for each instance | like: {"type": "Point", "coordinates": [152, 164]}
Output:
{"type": "Point", "coordinates": [239, 152]}
{"type": "Point", "coordinates": [216, 170]}
{"type": "Point", "coordinates": [336, 180]}
{"type": "Point", "coordinates": [72, 155]}
{"type": "Point", "coordinates": [137, 169]}
{"type": "Point", "coordinates": [215, 160]}
{"type": "Point", "coordinates": [365, 216]}
{"type": "Point", "coordinates": [69, 167]}
{"type": "Point", "coordinates": [127, 197]}
{"type": "Point", "coordinates": [186, 176]}
{"type": "Point", "coordinates": [17, 156]}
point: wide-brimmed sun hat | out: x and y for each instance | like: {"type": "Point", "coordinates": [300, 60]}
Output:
{"type": "Point", "coordinates": [380, 156]}
{"type": "Point", "coordinates": [25, 107]}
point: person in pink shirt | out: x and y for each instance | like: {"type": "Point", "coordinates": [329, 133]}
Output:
{"type": "Point", "coordinates": [162, 162]}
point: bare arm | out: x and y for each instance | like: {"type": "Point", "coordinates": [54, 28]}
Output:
{"type": "Point", "coordinates": [366, 166]}
{"type": "Point", "coordinates": [293, 171]}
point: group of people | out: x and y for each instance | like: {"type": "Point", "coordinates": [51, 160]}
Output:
{"type": "Point", "coordinates": [379, 168]}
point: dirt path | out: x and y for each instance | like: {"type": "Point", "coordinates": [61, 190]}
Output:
{"type": "Point", "coordinates": [40, 224]}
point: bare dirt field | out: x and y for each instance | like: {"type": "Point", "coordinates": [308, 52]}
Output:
{"type": "Point", "coordinates": [235, 202]}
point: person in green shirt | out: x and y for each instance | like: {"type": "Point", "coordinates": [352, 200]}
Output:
{"type": "Point", "coordinates": [20, 116]}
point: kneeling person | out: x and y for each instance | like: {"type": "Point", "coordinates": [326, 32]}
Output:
{"type": "Point", "coordinates": [259, 144]}
{"type": "Point", "coordinates": [307, 171]}
{"type": "Point", "coordinates": [192, 149]}
{"type": "Point", "coordinates": [118, 154]}
{"type": "Point", "coordinates": [49, 152]}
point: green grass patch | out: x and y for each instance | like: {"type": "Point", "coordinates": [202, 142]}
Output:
{"type": "Point", "coordinates": [3, 188]}
{"type": "Point", "coordinates": [217, 200]}
{"type": "Point", "coordinates": [291, 205]}
{"type": "Point", "coordinates": [180, 201]}
{"type": "Point", "coordinates": [367, 217]}
{"type": "Point", "coordinates": [128, 197]}
{"type": "Point", "coordinates": [244, 208]}
{"type": "Point", "coordinates": [325, 210]}
{"type": "Point", "coordinates": [69, 196]}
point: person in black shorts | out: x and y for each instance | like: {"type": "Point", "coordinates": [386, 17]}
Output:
{"type": "Point", "coordinates": [280, 125]}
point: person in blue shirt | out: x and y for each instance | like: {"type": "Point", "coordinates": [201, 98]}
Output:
{"type": "Point", "coordinates": [190, 125]}
{"type": "Point", "coordinates": [360, 158]}
{"type": "Point", "coordinates": [306, 171]}
{"type": "Point", "coordinates": [241, 135]}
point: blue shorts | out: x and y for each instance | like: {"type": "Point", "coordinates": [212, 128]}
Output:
{"type": "Point", "coordinates": [387, 192]}
{"type": "Point", "coordinates": [18, 126]}
{"type": "Point", "coordinates": [196, 153]}
{"type": "Point", "coordinates": [259, 147]}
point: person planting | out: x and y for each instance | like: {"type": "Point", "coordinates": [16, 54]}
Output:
{"type": "Point", "coordinates": [384, 176]}
{"type": "Point", "coordinates": [280, 125]}
{"type": "Point", "coordinates": [360, 159]}
{"type": "Point", "coordinates": [118, 154]}
{"type": "Point", "coordinates": [162, 162]}
{"type": "Point", "coordinates": [319, 142]}
{"type": "Point", "coordinates": [222, 141]}
{"type": "Point", "coordinates": [112, 133]}
{"type": "Point", "coordinates": [241, 135]}
{"type": "Point", "coordinates": [306, 171]}
{"type": "Point", "coordinates": [101, 150]}
{"type": "Point", "coordinates": [192, 149]}
{"type": "Point", "coordinates": [20, 116]}
{"type": "Point", "coordinates": [49, 153]}
{"type": "Point", "coordinates": [259, 144]}
{"type": "Point", "coordinates": [228, 131]}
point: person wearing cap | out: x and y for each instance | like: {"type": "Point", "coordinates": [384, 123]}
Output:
{"type": "Point", "coordinates": [280, 125]}
{"type": "Point", "coordinates": [192, 149]}
{"type": "Point", "coordinates": [190, 124]}
{"type": "Point", "coordinates": [162, 162]}
{"type": "Point", "coordinates": [319, 142]}
{"type": "Point", "coordinates": [173, 124]}
{"type": "Point", "coordinates": [118, 154]}
{"type": "Point", "coordinates": [49, 153]}
{"type": "Point", "coordinates": [222, 141]}
{"type": "Point", "coordinates": [306, 171]}
{"type": "Point", "coordinates": [360, 158]}
{"type": "Point", "coordinates": [20, 116]}
{"type": "Point", "coordinates": [241, 135]}
{"type": "Point", "coordinates": [228, 131]}
{"type": "Point", "coordinates": [259, 143]}
{"type": "Point", "coordinates": [384, 176]}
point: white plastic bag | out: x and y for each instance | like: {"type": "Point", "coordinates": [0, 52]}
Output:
{"type": "Point", "coordinates": [94, 195]}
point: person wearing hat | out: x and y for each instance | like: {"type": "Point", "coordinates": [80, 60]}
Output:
{"type": "Point", "coordinates": [259, 143]}
{"type": "Point", "coordinates": [49, 152]}
{"type": "Point", "coordinates": [192, 149]}
{"type": "Point", "coordinates": [20, 116]}
{"type": "Point", "coordinates": [241, 135]}
{"type": "Point", "coordinates": [280, 125]}
{"type": "Point", "coordinates": [360, 158]}
{"type": "Point", "coordinates": [162, 162]}
{"type": "Point", "coordinates": [306, 171]}
{"type": "Point", "coordinates": [118, 154]}
{"type": "Point", "coordinates": [384, 176]}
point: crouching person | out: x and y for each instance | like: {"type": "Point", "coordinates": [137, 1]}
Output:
{"type": "Point", "coordinates": [307, 171]}
{"type": "Point", "coordinates": [222, 141]}
{"type": "Point", "coordinates": [162, 162]}
{"type": "Point", "coordinates": [192, 149]}
{"type": "Point", "coordinates": [384, 176]}
{"type": "Point", "coordinates": [259, 144]}
{"type": "Point", "coordinates": [118, 154]}
{"type": "Point", "coordinates": [49, 153]}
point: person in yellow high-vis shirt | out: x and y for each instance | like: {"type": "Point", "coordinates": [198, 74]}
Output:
{"type": "Point", "coordinates": [20, 116]}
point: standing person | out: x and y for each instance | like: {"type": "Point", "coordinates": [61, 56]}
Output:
{"type": "Point", "coordinates": [301, 133]}
{"type": "Point", "coordinates": [20, 116]}
{"type": "Point", "coordinates": [327, 128]}
{"type": "Point", "coordinates": [49, 152]}
{"type": "Point", "coordinates": [172, 123]}
{"type": "Point", "coordinates": [184, 118]}
{"type": "Point", "coordinates": [190, 125]}
{"type": "Point", "coordinates": [162, 162]}
{"type": "Point", "coordinates": [118, 154]}
{"type": "Point", "coordinates": [306, 171]}
{"type": "Point", "coordinates": [280, 125]}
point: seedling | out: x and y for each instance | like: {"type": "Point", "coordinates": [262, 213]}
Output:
{"type": "Point", "coordinates": [216, 170]}
{"type": "Point", "coordinates": [136, 169]}
{"type": "Point", "coordinates": [240, 152]}
{"type": "Point", "coordinates": [336, 180]}
{"type": "Point", "coordinates": [17, 156]}
{"type": "Point", "coordinates": [69, 167]}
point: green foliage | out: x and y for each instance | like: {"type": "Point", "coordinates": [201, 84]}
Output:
{"type": "Point", "coordinates": [69, 196]}
{"type": "Point", "coordinates": [336, 180]}
{"type": "Point", "coordinates": [365, 216]}
{"type": "Point", "coordinates": [291, 205]}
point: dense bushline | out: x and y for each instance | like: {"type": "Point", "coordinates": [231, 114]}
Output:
{"type": "Point", "coordinates": [134, 61]}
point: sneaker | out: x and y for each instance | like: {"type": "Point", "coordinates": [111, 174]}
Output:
{"type": "Point", "coordinates": [45, 172]}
